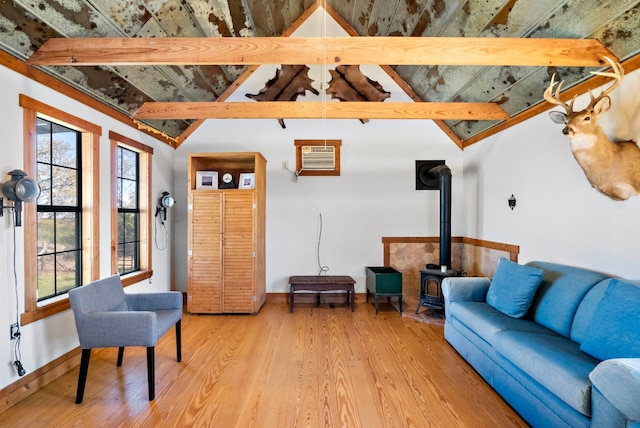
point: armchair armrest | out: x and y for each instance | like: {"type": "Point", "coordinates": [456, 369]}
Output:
{"type": "Point", "coordinates": [117, 328]}
{"type": "Point", "coordinates": [618, 380]}
{"type": "Point", "coordinates": [154, 301]}
{"type": "Point", "coordinates": [465, 288]}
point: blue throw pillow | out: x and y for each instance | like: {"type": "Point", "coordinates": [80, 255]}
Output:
{"type": "Point", "coordinates": [614, 330]}
{"type": "Point", "coordinates": [512, 288]}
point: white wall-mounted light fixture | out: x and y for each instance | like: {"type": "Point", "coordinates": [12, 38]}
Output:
{"type": "Point", "coordinates": [19, 189]}
{"type": "Point", "coordinates": [164, 201]}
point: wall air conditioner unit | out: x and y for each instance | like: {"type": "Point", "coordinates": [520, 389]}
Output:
{"type": "Point", "coordinates": [318, 158]}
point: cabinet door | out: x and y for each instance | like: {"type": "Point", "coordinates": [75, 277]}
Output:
{"type": "Point", "coordinates": [238, 252]}
{"type": "Point", "coordinates": [205, 279]}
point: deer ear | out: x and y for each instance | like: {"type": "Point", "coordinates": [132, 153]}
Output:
{"type": "Point", "coordinates": [558, 117]}
{"type": "Point", "coordinates": [602, 106]}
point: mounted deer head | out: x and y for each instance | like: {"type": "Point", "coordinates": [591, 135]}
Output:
{"type": "Point", "coordinates": [612, 168]}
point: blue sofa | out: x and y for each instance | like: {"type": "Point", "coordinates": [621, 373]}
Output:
{"type": "Point", "coordinates": [571, 360]}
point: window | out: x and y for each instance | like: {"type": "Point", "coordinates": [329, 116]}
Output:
{"type": "Point", "coordinates": [130, 208]}
{"type": "Point", "coordinates": [128, 203]}
{"type": "Point", "coordinates": [61, 239]}
{"type": "Point", "coordinates": [58, 155]}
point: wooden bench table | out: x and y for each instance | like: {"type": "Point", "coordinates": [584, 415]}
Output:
{"type": "Point", "coordinates": [322, 283]}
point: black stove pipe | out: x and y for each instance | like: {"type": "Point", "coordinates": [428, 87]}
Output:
{"type": "Point", "coordinates": [444, 176]}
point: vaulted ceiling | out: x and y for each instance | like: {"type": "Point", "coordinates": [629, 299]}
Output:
{"type": "Point", "coordinates": [25, 25]}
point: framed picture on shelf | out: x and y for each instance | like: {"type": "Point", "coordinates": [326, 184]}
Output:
{"type": "Point", "coordinates": [247, 181]}
{"type": "Point", "coordinates": [206, 180]}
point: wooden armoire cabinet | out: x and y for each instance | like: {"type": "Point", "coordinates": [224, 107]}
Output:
{"type": "Point", "coordinates": [226, 228]}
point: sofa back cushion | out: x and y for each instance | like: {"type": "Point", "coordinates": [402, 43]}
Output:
{"type": "Point", "coordinates": [614, 330]}
{"type": "Point", "coordinates": [582, 321]}
{"type": "Point", "coordinates": [560, 293]}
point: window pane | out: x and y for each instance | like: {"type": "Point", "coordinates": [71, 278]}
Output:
{"type": "Point", "coordinates": [66, 271]}
{"type": "Point", "coordinates": [129, 196]}
{"type": "Point", "coordinates": [65, 186]}
{"type": "Point", "coordinates": [127, 227]}
{"type": "Point", "coordinates": [46, 238]}
{"type": "Point", "coordinates": [129, 164]}
{"type": "Point", "coordinates": [44, 180]}
{"type": "Point", "coordinates": [67, 236]}
{"type": "Point", "coordinates": [64, 146]}
{"type": "Point", "coordinates": [46, 276]}
{"type": "Point", "coordinates": [128, 258]}
{"type": "Point", "coordinates": [43, 141]}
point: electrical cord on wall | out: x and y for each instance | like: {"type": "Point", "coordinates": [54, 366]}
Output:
{"type": "Point", "coordinates": [295, 174]}
{"type": "Point", "coordinates": [323, 269]}
{"type": "Point", "coordinates": [166, 234]}
{"type": "Point", "coordinates": [16, 334]}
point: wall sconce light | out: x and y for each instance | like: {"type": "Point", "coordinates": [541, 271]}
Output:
{"type": "Point", "coordinates": [19, 189]}
{"type": "Point", "coordinates": [164, 201]}
{"type": "Point", "coordinates": [512, 202]}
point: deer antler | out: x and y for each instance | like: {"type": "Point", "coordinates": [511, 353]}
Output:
{"type": "Point", "coordinates": [617, 75]}
{"type": "Point", "coordinates": [555, 98]}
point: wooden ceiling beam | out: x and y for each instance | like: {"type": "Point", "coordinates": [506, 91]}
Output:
{"type": "Point", "coordinates": [320, 110]}
{"type": "Point", "coordinates": [322, 50]}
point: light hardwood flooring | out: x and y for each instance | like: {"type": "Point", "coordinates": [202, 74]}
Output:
{"type": "Point", "coordinates": [317, 367]}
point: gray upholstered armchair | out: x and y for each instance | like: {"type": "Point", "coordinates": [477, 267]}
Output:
{"type": "Point", "coordinates": [107, 317]}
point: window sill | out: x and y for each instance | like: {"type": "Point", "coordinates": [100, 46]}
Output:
{"type": "Point", "coordinates": [134, 278]}
{"type": "Point", "coordinates": [50, 309]}
{"type": "Point", "coordinates": [44, 311]}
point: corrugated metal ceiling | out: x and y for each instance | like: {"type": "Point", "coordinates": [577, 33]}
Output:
{"type": "Point", "coordinates": [25, 25]}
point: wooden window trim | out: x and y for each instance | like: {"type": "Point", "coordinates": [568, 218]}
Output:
{"type": "Point", "coordinates": [32, 109]}
{"type": "Point", "coordinates": [302, 172]}
{"type": "Point", "coordinates": [145, 153]}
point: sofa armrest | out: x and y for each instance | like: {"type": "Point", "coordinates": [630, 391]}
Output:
{"type": "Point", "coordinates": [618, 380]}
{"type": "Point", "coordinates": [154, 301]}
{"type": "Point", "coordinates": [465, 288]}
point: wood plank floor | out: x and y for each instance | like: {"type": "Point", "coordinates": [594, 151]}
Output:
{"type": "Point", "coordinates": [317, 367]}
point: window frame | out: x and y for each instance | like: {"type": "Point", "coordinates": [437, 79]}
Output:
{"type": "Point", "coordinates": [55, 210]}
{"type": "Point", "coordinates": [121, 150]}
{"type": "Point", "coordinates": [308, 172]}
{"type": "Point", "coordinates": [144, 180]}
{"type": "Point", "coordinates": [90, 165]}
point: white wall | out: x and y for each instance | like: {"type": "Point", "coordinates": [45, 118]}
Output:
{"type": "Point", "coordinates": [47, 339]}
{"type": "Point", "coordinates": [373, 197]}
{"type": "Point", "coordinates": [558, 216]}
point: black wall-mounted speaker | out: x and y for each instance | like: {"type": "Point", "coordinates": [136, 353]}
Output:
{"type": "Point", "coordinates": [424, 179]}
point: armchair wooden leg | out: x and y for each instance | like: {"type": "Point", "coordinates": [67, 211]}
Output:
{"type": "Point", "coordinates": [82, 376]}
{"type": "Point", "coordinates": [179, 340]}
{"type": "Point", "coordinates": [120, 355]}
{"type": "Point", "coordinates": [151, 373]}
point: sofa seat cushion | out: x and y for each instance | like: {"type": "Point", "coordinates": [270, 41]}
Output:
{"type": "Point", "coordinates": [486, 321]}
{"type": "Point", "coordinates": [553, 361]}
